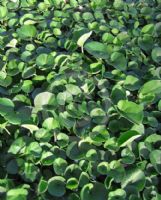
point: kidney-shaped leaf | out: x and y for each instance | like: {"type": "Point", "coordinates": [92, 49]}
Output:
{"type": "Point", "coordinates": [27, 31]}
{"type": "Point", "coordinates": [97, 49]}
{"type": "Point", "coordinates": [56, 186]}
{"type": "Point", "coordinates": [131, 111]}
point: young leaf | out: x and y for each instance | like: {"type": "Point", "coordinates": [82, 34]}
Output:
{"type": "Point", "coordinates": [83, 39]}
{"type": "Point", "coordinates": [30, 127]}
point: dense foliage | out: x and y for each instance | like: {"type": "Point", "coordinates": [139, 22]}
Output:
{"type": "Point", "coordinates": [80, 99]}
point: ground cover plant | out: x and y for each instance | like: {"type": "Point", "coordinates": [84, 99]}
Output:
{"type": "Point", "coordinates": [80, 99]}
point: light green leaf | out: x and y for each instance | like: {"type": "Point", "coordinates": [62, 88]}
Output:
{"type": "Point", "coordinates": [150, 87]}
{"type": "Point", "coordinates": [44, 98]}
{"type": "Point", "coordinates": [45, 60]}
{"type": "Point", "coordinates": [17, 194]}
{"type": "Point", "coordinates": [148, 29]}
{"type": "Point", "coordinates": [3, 12]}
{"type": "Point", "coordinates": [97, 49]}
{"type": "Point", "coordinates": [30, 127]}
{"type": "Point", "coordinates": [131, 111]}
{"type": "Point", "coordinates": [50, 123]}
{"type": "Point", "coordinates": [73, 89]}
{"type": "Point", "coordinates": [83, 39]}
{"type": "Point", "coordinates": [27, 31]}
{"type": "Point", "coordinates": [12, 43]}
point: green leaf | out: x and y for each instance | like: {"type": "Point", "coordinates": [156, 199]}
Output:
{"type": "Point", "coordinates": [155, 159]}
{"type": "Point", "coordinates": [99, 133]}
{"type": "Point", "coordinates": [12, 43]}
{"type": "Point", "coordinates": [97, 49]}
{"type": "Point", "coordinates": [103, 168]}
{"type": "Point", "coordinates": [150, 87]}
{"type": "Point", "coordinates": [127, 137]}
{"type": "Point", "coordinates": [156, 54]}
{"type": "Point", "coordinates": [64, 97]}
{"type": "Point", "coordinates": [12, 167]}
{"type": "Point", "coordinates": [30, 127]}
{"type": "Point", "coordinates": [30, 172]}
{"type": "Point", "coordinates": [119, 61]}
{"type": "Point", "coordinates": [131, 83]}
{"type": "Point", "coordinates": [134, 177]}
{"type": "Point", "coordinates": [47, 158]}
{"type": "Point", "coordinates": [3, 12]}
{"type": "Point", "coordinates": [6, 106]}
{"type": "Point", "coordinates": [98, 115]}
{"type": "Point", "coordinates": [83, 39]}
{"type": "Point", "coordinates": [59, 166]}
{"type": "Point", "coordinates": [95, 191]}
{"type": "Point", "coordinates": [159, 105]}
{"type": "Point", "coordinates": [50, 123]}
{"type": "Point", "coordinates": [131, 111]}
{"type": "Point", "coordinates": [83, 179]}
{"type": "Point", "coordinates": [72, 183]}
{"type": "Point", "coordinates": [117, 194]}
{"type": "Point", "coordinates": [118, 93]}
{"type": "Point", "coordinates": [148, 28]}
{"type": "Point", "coordinates": [18, 145]}
{"type": "Point", "coordinates": [34, 149]}
{"type": "Point", "coordinates": [56, 186]}
{"type": "Point", "coordinates": [62, 139]}
{"type": "Point", "coordinates": [44, 98]}
{"type": "Point", "coordinates": [16, 194]}
{"type": "Point", "coordinates": [73, 89]}
{"type": "Point", "coordinates": [27, 86]}
{"type": "Point", "coordinates": [42, 186]}
{"type": "Point", "coordinates": [45, 60]}
{"type": "Point", "coordinates": [27, 31]}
